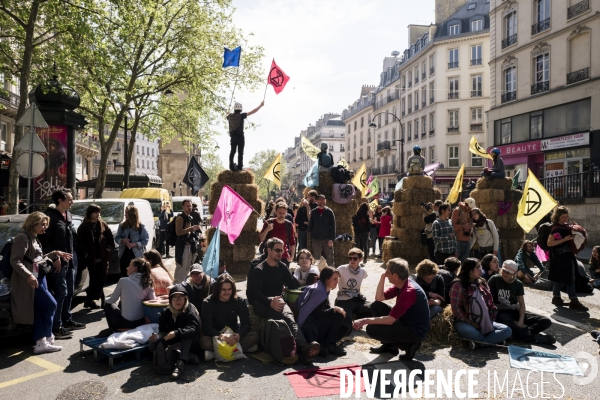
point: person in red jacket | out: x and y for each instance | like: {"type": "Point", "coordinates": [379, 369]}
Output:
{"type": "Point", "coordinates": [385, 226]}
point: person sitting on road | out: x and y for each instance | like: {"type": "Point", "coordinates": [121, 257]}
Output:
{"type": "Point", "coordinates": [526, 255]}
{"type": "Point", "coordinates": [222, 309]}
{"type": "Point", "coordinates": [178, 330]}
{"type": "Point", "coordinates": [349, 297]}
{"type": "Point", "coordinates": [265, 284]}
{"type": "Point", "coordinates": [508, 293]}
{"type": "Point", "coordinates": [132, 291]}
{"type": "Point", "coordinates": [595, 267]}
{"type": "Point", "coordinates": [162, 278]}
{"type": "Point", "coordinates": [198, 286]}
{"type": "Point", "coordinates": [405, 325]}
{"type": "Point", "coordinates": [307, 273]}
{"type": "Point", "coordinates": [448, 272]}
{"type": "Point", "coordinates": [490, 266]}
{"type": "Point", "coordinates": [432, 284]}
{"type": "Point", "coordinates": [473, 308]}
{"type": "Point", "coordinates": [319, 321]}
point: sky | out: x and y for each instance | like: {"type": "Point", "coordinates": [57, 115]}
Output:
{"type": "Point", "coordinates": [328, 48]}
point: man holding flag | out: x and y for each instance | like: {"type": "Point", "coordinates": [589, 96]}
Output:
{"type": "Point", "coordinates": [236, 131]}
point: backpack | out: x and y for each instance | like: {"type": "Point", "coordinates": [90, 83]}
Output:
{"type": "Point", "coordinates": [343, 193]}
{"type": "Point", "coordinates": [277, 340]}
{"type": "Point", "coordinates": [171, 232]}
{"type": "Point", "coordinates": [288, 228]}
{"type": "Point", "coordinates": [543, 233]}
{"type": "Point", "coordinates": [339, 174]}
{"type": "Point", "coordinates": [6, 268]}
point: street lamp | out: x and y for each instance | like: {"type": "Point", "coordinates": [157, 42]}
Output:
{"type": "Point", "coordinates": [374, 126]}
{"type": "Point", "coordinates": [125, 147]}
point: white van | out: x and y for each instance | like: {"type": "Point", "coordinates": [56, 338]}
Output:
{"type": "Point", "coordinates": [113, 213]}
{"type": "Point", "coordinates": [177, 207]}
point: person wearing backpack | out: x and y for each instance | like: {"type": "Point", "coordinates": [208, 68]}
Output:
{"type": "Point", "coordinates": [432, 284]}
{"type": "Point", "coordinates": [279, 227]}
{"type": "Point", "coordinates": [132, 238]}
{"type": "Point", "coordinates": [185, 243]}
{"type": "Point", "coordinates": [163, 220]}
{"type": "Point", "coordinates": [485, 234]}
{"type": "Point", "coordinates": [31, 302]}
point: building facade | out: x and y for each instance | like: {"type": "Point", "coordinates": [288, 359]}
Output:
{"type": "Point", "coordinates": [145, 157]}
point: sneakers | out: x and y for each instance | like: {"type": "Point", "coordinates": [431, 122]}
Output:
{"type": "Point", "coordinates": [576, 305]}
{"type": "Point", "coordinates": [411, 351]}
{"type": "Point", "coordinates": [42, 346]}
{"type": "Point", "coordinates": [73, 325]}
{"type": "Point", "coordinates": [50, 339]}
{"type": "Point", "coordinates": [544, 339]}
{"type": "Point", "coordinates": [310, 351]}
{"type": "Point", "coordinates": [178, 370]}
{"type": "Point", "coordinates": [558, 301]}
{"type": "Point", "coordinates": [595, 334]}
{"type": "Point", "coordinates": [385, 348]}
{"type": "Point", "coordinates": [469, 345]}
{"type": "Point", "coordinates": [91, 304]}
{"type": "Point", "coordinates": [252, 349]}
{"type": "Point", "coordinates": [62, 333]}
{"type": "Point", "coordinates": [208, 355]}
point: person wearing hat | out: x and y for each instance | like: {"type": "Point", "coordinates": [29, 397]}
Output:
{"type": "Point", "coordinates": [236, 131]}
{"type": "Point", "coordinates": [497, 169]}
{"type": "Point", "coordinates": [508, 293]}
{"type": "Point", "coordinates": [463, 227]}
{"type": "Point", "coordinates": [178, 330]}
{"type": "Point", "coordinates": [198, 286]}
{"type": "Point", "coordinates": [321, 226]}
{"type": "Point", "coordinates": [416, 162]}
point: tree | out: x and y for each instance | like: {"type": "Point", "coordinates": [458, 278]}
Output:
{"type": "Point", "coordinates": [211, 164]}
{"type": "Point", "coordinates": [259, 164]}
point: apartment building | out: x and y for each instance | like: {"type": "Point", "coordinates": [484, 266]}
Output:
{"type": "Point", "coordinates": [145, 157]}
{"type": "Point", "coordinates": [545, 86]}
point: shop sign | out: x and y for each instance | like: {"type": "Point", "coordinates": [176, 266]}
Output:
{"type": "Point", "coordinates": [520, 148]}
{"type": "Point", "coordinates": [5, 164]}
{"type": "Point", "coordinates": [563, 142]}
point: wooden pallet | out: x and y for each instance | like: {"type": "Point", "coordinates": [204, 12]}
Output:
{"type": "Point", "coordinates": [139, 353]}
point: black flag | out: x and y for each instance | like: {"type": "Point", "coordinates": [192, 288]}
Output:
{"type": "Point", "coordinates": [195, 177]}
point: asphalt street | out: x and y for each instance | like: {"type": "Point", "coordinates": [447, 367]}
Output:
{"type": "Point", "coordinates": [69, 375]}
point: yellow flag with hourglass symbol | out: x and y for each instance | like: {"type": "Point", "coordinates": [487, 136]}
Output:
{"type": "Point", "coordinates": [274, 171]}
{"type": "Point", "coordinates": [360, 179]}
{"type": "Point", "coordinates": [457, 187]}
{"type": "Point", "coordinates": [535, 203]}
{"type": "Point", "coordinates": [476, 149]}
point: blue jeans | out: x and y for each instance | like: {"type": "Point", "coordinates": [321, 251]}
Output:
{"type": "Point", "coordinates": [570, 289]}
{"type": "Point", "coordinates": [302, 240]}
{"type": "Point", "coordinates": [498, 335]}
{"type": "Point", "coordinates": [463, 249]}
{"type": "Point", "coordinates": [63, 285]}
{"type": "Point", "coordinates": [434, 310]}
{"type": "Point", "coordinates": [44, 307]}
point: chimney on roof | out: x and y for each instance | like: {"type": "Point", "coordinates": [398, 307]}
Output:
{"type": "Point", "coordinates": [445, 8]}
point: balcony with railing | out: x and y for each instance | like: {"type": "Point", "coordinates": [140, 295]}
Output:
{"type": "Point", "coordinates": [431, 71]}
{"type": "Point", "coordinates": [416, 78]}
{"type": "Point", "coordinates": [409, 84]}
{"type": "Point", "coordinates": [540, 87]}
{"type": "Point", "coordinates": [376, 171]}
{"type": "Point", "coordinates": [578, 9]}
{"type": "Point", "coordinates": [508, 96]}
{"type": "Point", "coordinates": [409, 110]}
{"type": "Point", "coordinates": [423, 135]}
{"type": "Point", "coordinates": [476, 93]}
{"type": "Point", "coordinates": [452, 65]}
{"type": "Point", "coordinates": [452, 95]}
{"type": "Point", "coordinates": [356, 109]}
{"type": "Point", "coordinates": [477, 126]}
{"type": "Point", "coordinates": [509, 41]}
{"type": "Point", "coordinates": [452, 129]}
{"type": "Point", "coordinates": [540, 26]}
{"type": "Point", "coordinates": [424, 104]}
{"type": "Point", "coordinates": [11, 100]}
{"type": "Point", "coordinates": [424, 76]}
{"type": "Point", "coordinates": [416, 107]}
{"type": "Point", "coordinates": [578, 76]}
{"type": "Point", "coordinates": [477, 61]}
{"type": "Point", "coordinates": [385, 145]}
{"type": "Point", "coordinates": [386, 100]}
{"type": "Point", "coordinates": [573, 186]}
{"type": "Point", "coordinates": [403, 113]}
{"type": "Point", "coordinates": [432, 132]}
{"type": "Point", "coordinates": [431, 100]}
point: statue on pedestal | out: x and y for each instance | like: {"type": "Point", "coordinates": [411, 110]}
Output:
{"type": "Point", "coordinates": [325, 158]}
{"type": "Point", "coordinates": [416, 163]}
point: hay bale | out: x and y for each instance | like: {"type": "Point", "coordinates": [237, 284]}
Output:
{"type": "Point", "coordinates": [340, 252]}
{"type": "Point", "coordinates": [510, 248]}
{"type": "Point", "coordinates": [414, 223]}
{"type": "Point", "coordinates": [246, 238]}
{"type": "Point", "coordinates": [391, 249]}
{"type": "Point", "coordinates": [437, 194]}
{"type": "Point", "coordinates": [243, 253]}
{"type": "Point", "coordinates": [502, 184]}
{"type": "Point", "coordinates": [417, 196]}
{"type": "Point", "coordinates": [227, 176]}
{"type": "Point", "coordinates": [238, 269]}
{"type": "Point", "coordinates": [256, 322]}
{"type": "Point", "coordinates": [397, 196]}
{"type": "Point", "coordinates": [512, 234]}
{"type": "Point", "coordinates": [250, 225]}
{"type": "Point", "coordinates": [442, 327]}
{"type": "Point", "coordinates": [325, 183]}
{"type": "Point", "coordinates": [490, 210]}
{"type": "Point", "coordinates": [417, 182]}
{"type": "Point", "coordinates": [501, 222]}
{"type": "Point", "coordinates": [406, 209]}
{"type": "Point", "coordinates": [482, 196]}
{"type": "Point", "coordinates": [407, 235]}
{"type": "Point", "coordinates": [514, 196]}
{"type": "Point", "coordinates": [226, 252]}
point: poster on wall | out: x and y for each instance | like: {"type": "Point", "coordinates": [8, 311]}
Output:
{"type": "Point", "coordinates": [55, 176]}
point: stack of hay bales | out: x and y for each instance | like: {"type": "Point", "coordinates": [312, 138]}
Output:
{"type": "Point", "coordinates": [487, 195]}
{"type": "Point", "coordinates": [238, 256]}
{"type": "Point", "coordinates": [408, 220]}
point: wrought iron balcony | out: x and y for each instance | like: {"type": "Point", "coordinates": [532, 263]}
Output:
{"type": "Point", "coordinates": [477, 61]}
{"type": "Point", "coordinates": [509, 96]}
{"type": "Point", "coordinates": [476, 93]}
{"type": "Point", "coordinates": [416, 79]}
{"type": "Point", "coordinates": [477, 127]}
{"type": "Point", "coordinates": [431, 132]}
{"type": "Point", "coordinates": [424, 75]}
{"type": "Point", "coordinates": [385, 145]}
{"type": "Point", "coordinates": [509, 41]}
{"type": "Point", "coordinates": [452, 95]}
{"type": "Point", "coordinates": [376, 171]}
{"type": "Point", "coordinates": [431, 70]}
{"type": "Point", "coordinates": [578, 9]}
{"type": "Point", "coordinates": [540, 87]}
{"type": "Point", "coordinates": [409, 84]}
{"type": "Point", "coordinates": [424, 104]}
{"type": "Point", "coordinates": [540, 26]}
{"type": "Point", "coordinates": [453, 65]}
{"type": "Point", "coordinates": [431, 100]}
{"type": "Point", "coordinates": [403, 113]}
{"type": "Point", "coordinates": [10, 99]}
{"type": "Point", "coordinates": [578, 76]}
{"type": "Point", "coordinates": [453, 129]}
{"type": "Point", "coordinates": [409, 110]}
{"type": "Point", "coordinates": [389, 169]}
{"type": "Point", "coordinates": [423, 135]}
{"type": "Point", "coordinates": [416, 106]}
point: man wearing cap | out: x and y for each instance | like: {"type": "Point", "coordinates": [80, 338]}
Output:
{"type": "Point", "coordinates": [508, 294]}
{"type": "Point", "coordinates": [236, 131]}
{"type": "Point", "coordinates": [198, 286]}
{"type": "Point", "coordinates": [322, 229]}
{"type": "Point", "coordinates": [497, 170]}
{"type": "Point", "coordinates": [463, 227]}
{"type": "Point", "coordinates": [416, 162]}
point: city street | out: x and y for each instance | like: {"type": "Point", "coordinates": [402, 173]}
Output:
{"type": "Point", "coordinates": [68, 375]}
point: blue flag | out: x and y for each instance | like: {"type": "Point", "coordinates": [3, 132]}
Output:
{"type": "Point", "coordinates": [231, 58]}
{"type": "Point", "coordinates": [312, 176]}
{"type": "Point", "coordinates": [211, 258]}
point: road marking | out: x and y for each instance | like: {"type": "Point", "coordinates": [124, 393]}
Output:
{"type": "Point", "coordinates": [49, 368]}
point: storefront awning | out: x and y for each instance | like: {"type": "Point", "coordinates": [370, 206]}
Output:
{"type": "Point", "coordinates": [115, 181]}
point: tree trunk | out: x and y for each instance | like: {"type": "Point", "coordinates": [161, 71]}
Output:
{"type": "Point", "coordinates": [105, 146]}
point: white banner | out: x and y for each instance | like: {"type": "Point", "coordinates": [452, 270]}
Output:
{"type": "Point", "coordinates": [541, 361]}
{"type": "Point", "coordinates": [563, 142]}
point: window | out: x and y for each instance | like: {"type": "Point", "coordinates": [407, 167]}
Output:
{"type": "Point", "coordinates": [476, 55]}
{"type": "Point", "coordinates": [506, 132]}
{"type": "Point", "coordinates": [476, 85]}
{"type": "Point", "coordinates": [453, 118]}
{"type": "Point", "coordinates": [416, 101]}
{"type": "Point", "coordinates": [542, 68]}
{"type": "Point", "coordinates": [476, 115]}
{"type": "Point", "coordinates": [362, 122]}
{"type": "Point", "coordinates": [386, 117]}
{"type": "Point", "coordinates": [409, 131]}
{"type": "Point", "coordinates": [542, 11]}
{"type": "Point", "coordinates": [416, 129]}
{"type": "Point", "coordinates": [453, 88]}
{"type": "Point", "coordinates": [510, 84]}
{"type": "Point", "coordinates": [476, 25]}
{"type": "Point", "coordinates": [152, 152]}
{"type": "Point", "coordinates": [369, 152]}
{"type": "Point", "coordinates": [432, 64]}
{"type": "Point", "coordinates": [143, 150]}
{"type": "Point", "coordinates": [348, 129]}
{"type": "Point", "coordinates": [431, 154]}
{"type": "Point", "coordinates": [510, 29]}
{"type": "Point", "coordinates": [454, 29]}
{"type": "Point", "coordinates": [471, 6]}
{"type": "Point", "coordinates": [137, 162]}
{"type": "Point", "coordinates": [431, 122]}
{"type": "Point", "coordinates": [452, 58]}
{"type": "Point", "coordinates": [431, 95]}
{"type": "Point", "coordinates": [3, 136]}
{"type": "Point", "coordinates": [424, 125]}
{"type": "Point", "coordinates": [453, 156]}
{"type": "Point", "coordinates": [394, 134]}
{"type": "Point", "coordinates": [355, 126]}
{"type": "Point", "coordinates": [137, 149]}
{"type": "Point", "coordinates": [537, 124]}
{"type": "Point", "coordinates": [476, 161]}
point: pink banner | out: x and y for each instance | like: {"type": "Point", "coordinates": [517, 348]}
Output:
{"type": "Point", "coordinates": [231, 213]}
{"type": "Point", "coordinates": [55, 175]}
{"type": "Point", "coordinates": [526, 148]}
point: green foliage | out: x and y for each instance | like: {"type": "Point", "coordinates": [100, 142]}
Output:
{"type": "Point", "coordinates": [259, 165]}
{"type": "Point", "coordinates": [211, 164]}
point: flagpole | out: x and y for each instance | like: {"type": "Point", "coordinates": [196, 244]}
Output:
{"type": "Point", "coordinates": [266, 86]}
{"type": "Point", "coordinates": [234, 86]}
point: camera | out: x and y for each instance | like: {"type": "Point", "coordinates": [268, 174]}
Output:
{"type": "Point", "coordinates": [427, 206]}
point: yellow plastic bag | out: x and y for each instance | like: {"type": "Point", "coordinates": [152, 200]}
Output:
{"type": "Point", "coordinates": [226, 352]}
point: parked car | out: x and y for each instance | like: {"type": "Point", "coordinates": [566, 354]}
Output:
{"type": "Point", "coordinates": [113, 213]}
{"type": "Point", "coordinates": [10, 225]}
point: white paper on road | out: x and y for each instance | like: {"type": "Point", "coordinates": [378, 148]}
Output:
{"type": "Point", "coordinates": [541, 361]}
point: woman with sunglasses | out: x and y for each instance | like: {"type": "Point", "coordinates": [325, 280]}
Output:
{"type": "Point", "coordinates": [349, 297]}
{"type": "Point", "coordinates": [132, 237]}
{"type": "Point", "coordinates": [306, 273]}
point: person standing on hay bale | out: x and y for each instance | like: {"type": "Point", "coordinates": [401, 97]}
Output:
{"type": "Point", "coordinates": [303, 217]}
{"type": "Point", "coordinates": [433, 284]}
{"type": "Point", "coordinates": [185, 244]}
{"type": "Point", "coordinates": [448, 273]}
{"type": "Point", "coordinates": [280, 227]}
{"type": "Point", "coordinates": [416, 162]}
{"type": "Point", "coordinates": [474, 309]}
{"type": "Point", "coordinates": [508, 293]}
{"type": "Point", "coordinates": [322, 229]}
{"type": "Point", "coordinates": [444, 237]}
{"type": "Point", "coordinates": [463, 227]}
{"type": "Point", "coordinates": [497, 171]}
{"type": "Point", "coordinates": [485, 234]}
{"type": "Point", "coordinates": [490, 266]}
{"type": "Point", "coordinates": [349, 297]}
{"type": "Point", "coordinates": [264, 294]}
{"type": "Point", "coordinates": [236, 131]}
{"type": "Point", "coordinates": [527, 255]}
{"type": "Point", "coordinates": [403, 326]}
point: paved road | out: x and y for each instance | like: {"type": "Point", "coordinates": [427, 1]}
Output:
{"type": "Point", "coordinates": [68, 375]}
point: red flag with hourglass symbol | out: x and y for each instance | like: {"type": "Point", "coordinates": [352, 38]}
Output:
{"type": "Point", "coordinates": [277, 78]}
